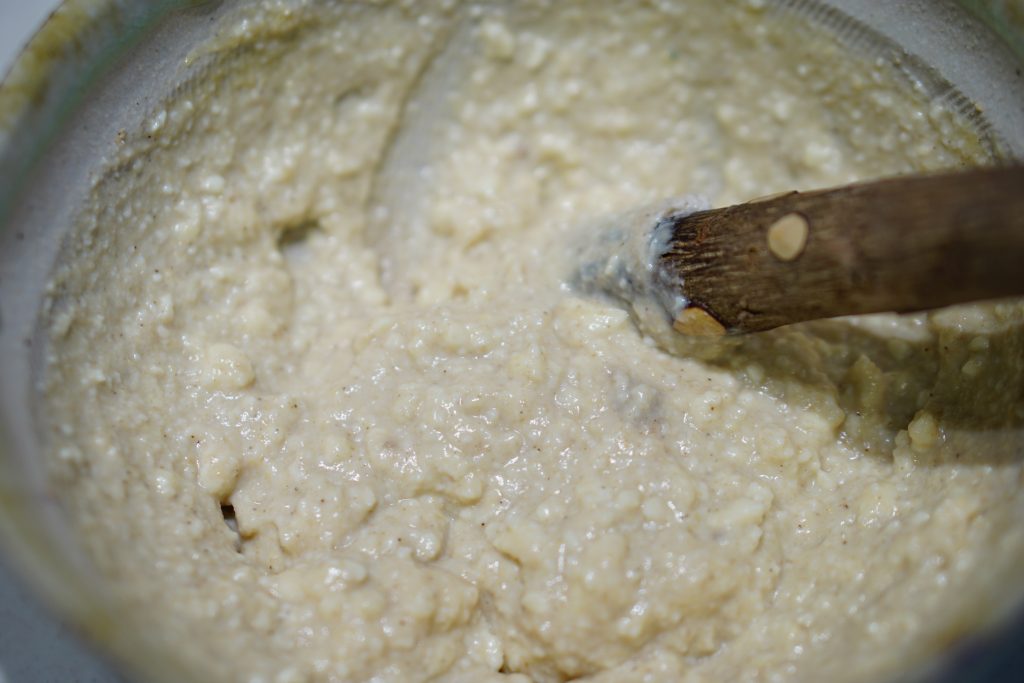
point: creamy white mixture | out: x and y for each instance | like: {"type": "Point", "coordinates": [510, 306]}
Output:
{"type": "Point", "coordinates": [325, 405]}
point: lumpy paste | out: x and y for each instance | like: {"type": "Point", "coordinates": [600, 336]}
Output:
{"type": "Point", "coordinates": [324, 403]}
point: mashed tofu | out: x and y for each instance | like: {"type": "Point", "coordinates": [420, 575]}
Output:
{"type": "Point", "coordinates": [324, 406]}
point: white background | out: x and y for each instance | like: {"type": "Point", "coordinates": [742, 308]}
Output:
{"type": "Point", "coordinates": [19, 19]}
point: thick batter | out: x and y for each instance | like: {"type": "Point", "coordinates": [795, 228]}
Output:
{"type": "Point", "coordinates": [325, 406]}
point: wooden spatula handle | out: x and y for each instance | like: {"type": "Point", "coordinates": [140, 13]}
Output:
{"type": "Point", "coordinates": [901, 244]}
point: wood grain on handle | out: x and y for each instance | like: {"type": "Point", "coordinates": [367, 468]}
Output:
{"type": "Point", "coordinates": [901, 244]}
